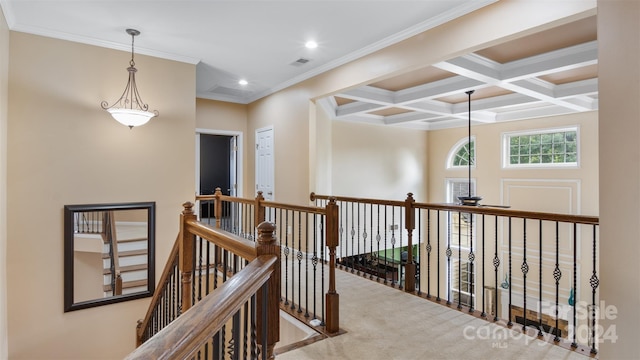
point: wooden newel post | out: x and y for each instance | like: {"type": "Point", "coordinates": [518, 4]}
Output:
{"type": "Point", "coordinates": [333, 298]}
{"type": "Point", "coordinates": [217, 213]}
{"type": "Point", "coordinates": [217, 209]}
{"type": "Point", "coordinates": [186, 255]}
{"type": "Point", "coordinates": [410, 265]}
{"type": "Point", "coordinates": [259, 208]}
{"type": "Point", "coordinates": [268, 245]}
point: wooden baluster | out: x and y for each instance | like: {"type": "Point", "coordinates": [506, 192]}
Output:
{"type": "Point", "coordinates": [268, 245]}
{"type": "Point", "coordinates": [409, 266]}
{"type": "Point", "coordinates": [186, 255]}
{"type": "Point", "coordinates": [333, 299]}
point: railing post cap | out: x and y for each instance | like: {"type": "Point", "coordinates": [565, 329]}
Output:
{"type": "Point", "coordinates": [312, 196]}
{"type": "Point", "coordinates": [188, 208]}
{"type": "Point", "coordinates": [266, 227]}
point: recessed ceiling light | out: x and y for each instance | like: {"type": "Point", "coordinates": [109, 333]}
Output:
{"type": "Point", "coordinates": [311, 44]}
{"type": "Point", "coordinates": [243, 82]}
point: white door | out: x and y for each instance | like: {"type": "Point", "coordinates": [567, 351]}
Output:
{"type": "Point", "coordinates": [265, 162]}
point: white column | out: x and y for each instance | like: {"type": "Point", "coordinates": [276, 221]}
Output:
{"type": "Point", "coordinates": [619, 138]}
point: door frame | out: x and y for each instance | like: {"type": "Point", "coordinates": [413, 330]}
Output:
{"type": "Point", "coordinates": [239, 156]}
{"type": "Point", "coordinates": [273, 164]}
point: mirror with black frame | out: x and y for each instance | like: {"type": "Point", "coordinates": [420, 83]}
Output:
{"type": "Point", "coordinates": [109, 253]}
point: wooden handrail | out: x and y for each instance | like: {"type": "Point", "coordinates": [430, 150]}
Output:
{"type": "Point", "coordinates": [486, 210]}
{"type": "Point", "coordinates": [309, 209]}
{"type": "Point", "coordinates": [233, 243]}
{"type": "Point", "coordinates": [164, 278]}
{"type": "Point", "coordinates": [535, 215]}
{"type": "Point", "coordinates": [313, 197]}
{"type": "Point", "coordinates": [184, 336]}
{"type": "Point", "coordinates": [225, 198]}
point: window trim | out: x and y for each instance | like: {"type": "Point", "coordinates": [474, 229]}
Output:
{"type": "Point", "coordinates": [454, 150]}
{"type": "Point", "coordinates": [506, 148]}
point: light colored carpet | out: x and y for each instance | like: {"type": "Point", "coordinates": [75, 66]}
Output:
{"type": "Point", "coordinates": [386, 323]}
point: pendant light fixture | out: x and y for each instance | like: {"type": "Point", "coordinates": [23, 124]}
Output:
{"type": "Point", "coordinates": [130, 110]}
{"type": "Point", "coordinates": [470, 200]}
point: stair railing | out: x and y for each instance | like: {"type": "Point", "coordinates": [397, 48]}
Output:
{"type": "Point", "coordinates": [230, 317]}
{"type": "Point", "coordinates": [308, 237]}
{"type": "Point", "coordinates": [537, 270]}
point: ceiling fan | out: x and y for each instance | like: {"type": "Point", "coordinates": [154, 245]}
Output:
{"type": "Point", "coordinates": [473, 200]}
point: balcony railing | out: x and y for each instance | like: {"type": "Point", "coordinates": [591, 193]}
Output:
{"type": "Point", "coordinates": [537, 271]}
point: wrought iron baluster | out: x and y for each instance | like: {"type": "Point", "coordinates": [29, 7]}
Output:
{"type": "Point", "coordinates": [246, 330]}
{"type": "Point", "coordinates": [299, 257]}
{"type": "Point", "coordinates": [322, 256]}
{"type": "Point", "coordinates": [509, 322]}
{"type": "Point", "coordinates": [429, 254]}
{"type": "Point", "coordinates": [438, 256]}
{"type": "Point", "coordinates": [417, 273]}
{"type": "Point", "coordinates": [306, 267]}
{"type": "Point", "coordinates": [386, 259]}
{"type": "Point", "coordinates": [472, 256]}
{"type": "Point", "coordinates": [193, 271]}
{"type": "Point", "coordinates": [314, 261]}
{"type": "Point", "coordinates": [574, 343]}
{"type": "Point", "coordinates": [378, 238]}
{"type": "Point", "coordinates": [199, 273]}
{"type": "Point", "coordinates": [540, 278]}
{"type": "Point", "coordinates": [496, 264]}
{"type": "Point", "coordinates": [459, 261]}
{"type": "Point", "coordinates": [342, 236]}
{"type": "Point", "coordinates": [400, 227]}
{"type": "Point", "coordinates": [210, 253]}
{"type": "Point", "coordinates": [594, 282]}
{"type": "Point", "coordinates": [370, 262]}
{"type": "Point", "coordinates": [557, 275]}
{"type": "Point", "coordinates": [448, 253]}
{"type": "Point", "coordinates": [216, 264]}
{"type": "Point", "coordinates": [253, 330]}
{"type": "Point", "coordinates": [358, 257]}
{"type": "Point", "coordinates": [484, 307]}
{"type": "Point", "coordinates": [234, 344]}
{"type": "Point", "coordinates": [525, 269]}
{"type": "Point", "coordinates": [286, 260]}
{"type": "Point", "coordinates": [353, 233]}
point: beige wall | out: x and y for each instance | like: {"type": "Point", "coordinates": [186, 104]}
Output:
{"type": "Point", "coordinates": [222, 116]}
{"type": "Point", "coordinates": [4, 94]}
{"type": "Point", "coordinates": [381, 162]}
{"type": "Point", "coordinates": [288, 112]}
{"type": "Point", "coordinates": [63, 149]}
{"type": "Point", "coordinates": [493, 182]}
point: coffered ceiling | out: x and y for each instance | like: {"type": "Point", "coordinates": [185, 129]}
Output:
{"type": "Point", "coordinates": [548, 73]}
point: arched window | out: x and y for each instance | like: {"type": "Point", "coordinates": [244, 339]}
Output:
{"type": "Point", "coordinates": [462, 153]}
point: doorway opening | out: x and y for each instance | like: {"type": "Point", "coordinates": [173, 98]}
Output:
{"type": "Point", "coordinates": [218, 162]}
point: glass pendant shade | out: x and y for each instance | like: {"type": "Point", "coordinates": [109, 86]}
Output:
{"type": "Point", "coordinates": [131, 117]}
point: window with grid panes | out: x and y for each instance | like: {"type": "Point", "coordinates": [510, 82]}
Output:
{"type": "Point", "coordinates": [543, 148]}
